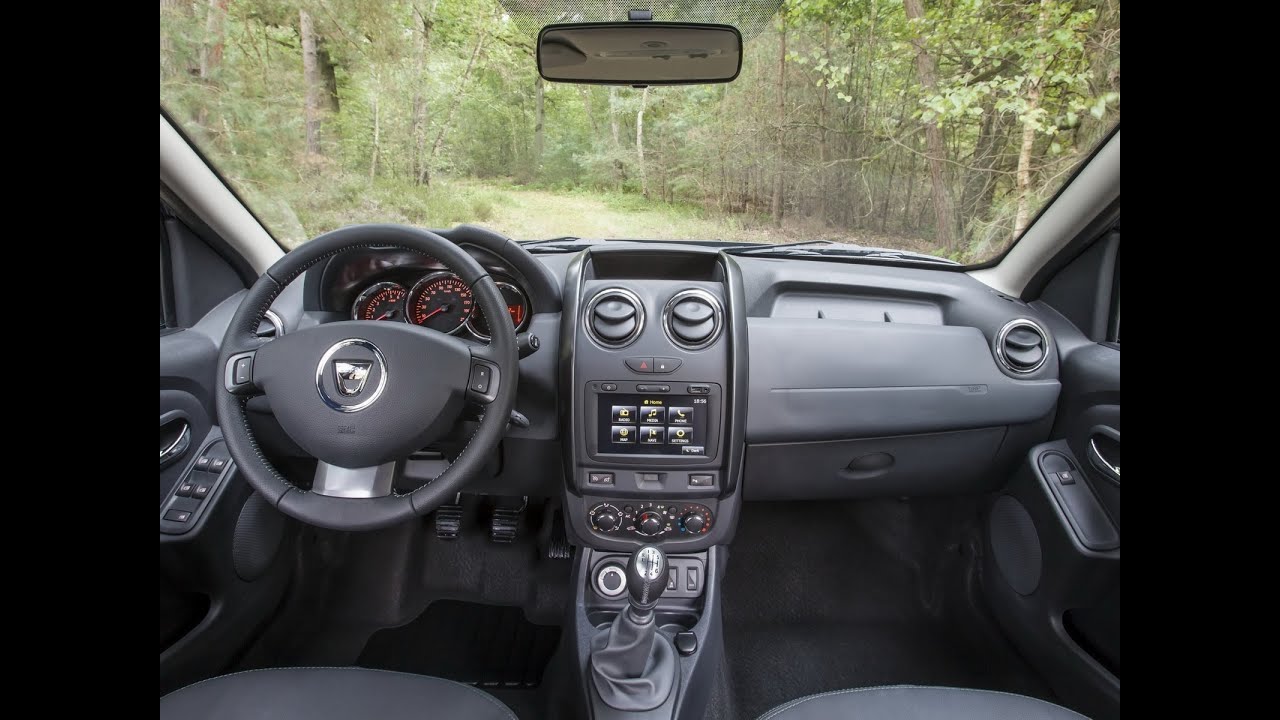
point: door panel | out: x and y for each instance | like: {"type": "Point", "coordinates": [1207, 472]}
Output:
{"type": "Point", "coordinates": [1052, 573]}
{"type": "Point", "coordinates": [223, 559]}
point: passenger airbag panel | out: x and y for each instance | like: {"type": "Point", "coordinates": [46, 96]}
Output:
{"type": "Point", "coordinates": [837, 379]}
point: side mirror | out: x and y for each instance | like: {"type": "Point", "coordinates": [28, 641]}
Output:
{"type": "Point", "coordinates": [639, 53]}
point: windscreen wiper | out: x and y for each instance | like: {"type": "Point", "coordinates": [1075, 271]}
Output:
{"type": "Point", "coordinates": [841, 251]}
{"type": "Point", "coordinates": [568, 243]}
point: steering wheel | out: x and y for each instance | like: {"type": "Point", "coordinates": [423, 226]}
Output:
{"type": "Point", "coordinates": [362, 396]}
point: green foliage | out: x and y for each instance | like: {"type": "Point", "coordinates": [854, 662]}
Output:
{"type": "Point", "coordinates": [403, 100]}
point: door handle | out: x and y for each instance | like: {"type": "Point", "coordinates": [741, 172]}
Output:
{"type": "Point", "coordinates": [174, 445]}
{"type": "Point", "coordinates": [1104, 452]}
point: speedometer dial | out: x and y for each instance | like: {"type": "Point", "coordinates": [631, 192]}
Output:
{"type": "Point", "coordinates": [517, 310]}
{"type": "Point", "coordinates": [440, 301]}
{"type": "Point", "coordinates": [384, 301]}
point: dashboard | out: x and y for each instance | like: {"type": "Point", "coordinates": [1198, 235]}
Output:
{"type": "Point", "coordinates": [662, 384]}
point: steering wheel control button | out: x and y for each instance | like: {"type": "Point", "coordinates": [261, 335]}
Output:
{"type": "Point", "coordinates": [611, 580]}
{"type": "Point", "coordinates": [702, 480]}
{"type": "Point", "coordinates": [480, 377]}
{"type": "Point", "coordinates": [680, 436]}
{"type": "Point", "coordinates": [351, 375]}
{"type": "Point", "coordinates": [185, 488]}
{"type": "Point", "coordinates": [243, 372]}
{"type": "Point", "coordinates": [640, 364]}
{"type": "Point", "coordinates": [624, 413]}
{"type": "Point", "coordinates": [623, 435]}
{"type": "Point", "coordinates": [608, 387]}
{"type": "Point", "coordinates": [652, 435]}
{"type": "Point", "coordinates": [698, 389]}
{"type": "Point", "coordinates": [600, 478]}
{"type": "Point", "coordinates": [665, 364]}
{"type": "Point", "coordinates": [653, 388]}
{"type": "Point", "coordinates": [176, 515]}
{"type": "Point", "coordinates": [653, 415]}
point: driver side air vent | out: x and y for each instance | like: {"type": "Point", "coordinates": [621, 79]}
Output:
{"type": "Point", "coordinates": [615, 317]}
{"type": "Point", "coordinates": [692, 319]}
{"type": "Point", "coordinates": [1022, 346]}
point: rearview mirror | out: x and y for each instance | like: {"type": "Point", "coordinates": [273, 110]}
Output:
{"type": "Point", "coordinates": [639, 53]}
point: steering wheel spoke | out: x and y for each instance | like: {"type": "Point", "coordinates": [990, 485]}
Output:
{"type": "Point", "coordinates": [366, 482]}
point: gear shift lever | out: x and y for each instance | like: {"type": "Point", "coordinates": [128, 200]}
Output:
{"type": "Point", "coordinates": [633, 666]}
{"type": "Point", "coordinates": [646, 579]}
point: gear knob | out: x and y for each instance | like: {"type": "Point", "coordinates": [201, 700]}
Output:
{"type": "Point", "coordinates": [646, 577]}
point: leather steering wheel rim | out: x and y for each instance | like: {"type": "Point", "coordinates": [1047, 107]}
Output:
{"type": "Point", "coordinates": [277, 365]}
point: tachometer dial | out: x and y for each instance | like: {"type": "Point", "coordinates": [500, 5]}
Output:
{"type": "Point", "coordinates": [440, 301]}
{"type": "Point", "coordinates": [517, 309]}
{"type": "Point", "coordinates": [384, 301]}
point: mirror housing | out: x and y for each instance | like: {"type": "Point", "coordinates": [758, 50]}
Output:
{"type": "Point", "coordinates": [639, 53]}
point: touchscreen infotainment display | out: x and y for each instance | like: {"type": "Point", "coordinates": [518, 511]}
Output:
{"type": "Point", "coordinates": [652, 424]}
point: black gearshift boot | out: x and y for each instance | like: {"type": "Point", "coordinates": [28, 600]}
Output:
{"type": "Point", "coordinates": [633, 666]}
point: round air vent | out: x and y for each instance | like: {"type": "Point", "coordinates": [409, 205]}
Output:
{"type": "Point", "coordinates": [614, 317]}
{"type": "Point", "coordinates": [692, 319]}
{"type": "Point", "coordinates": [1022, 346]}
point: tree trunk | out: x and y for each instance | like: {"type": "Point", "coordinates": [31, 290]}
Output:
{"type": "Point", "coordinates": [377, 137]}
{"type": "Point", "coordinates": [644, 176]}
{"type": "Point", "coordinates": [215, 36]}
{"type": "Point", "coordinates": [540, 119]}
{"type": "Point", "coordinates": [944, 216]}
{"type": "Point", "coordinates": [312, 81]}
{"type": "Point", "coordinates": [619, 170]}
{"type": "Point", "coordinates": [453, 104]}
{"type": "Point", "coordinates": [1029, 121]}
{"type": "Point", "coordinates": [779, 160]}
{"type": "Point", "coordinates": [418, 121]}
{"type": "Point", "coordinates": [328, 78]}
{"type": "Point", "coordinates": [585, 92]}
{"type": "Point", "coordinates": [979, 182]}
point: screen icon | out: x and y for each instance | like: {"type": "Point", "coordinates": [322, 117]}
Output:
{"type": "Point", "coordinates": [653, 415]}
{"type": "Point", "coordinates": [624, 435]}
{"type": "Point", "coordinates": [679, 435]}
{"type": "Point", "coordinates": [652, 435]}
{"type": "Point", "coordinates": [624, 413]}
{"type": "Point", "coordinates": [679, 415]}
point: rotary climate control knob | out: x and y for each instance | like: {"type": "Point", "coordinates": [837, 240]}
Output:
{"type": "Point", "coordinates": [650, 523]}
{"type": "Point", "coordinates": [694, 522]}
{"type": "Point", "coordinates": [605, 517]}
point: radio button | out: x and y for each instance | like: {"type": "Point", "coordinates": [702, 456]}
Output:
{"type": "Point", "coordinates": [624, 413]}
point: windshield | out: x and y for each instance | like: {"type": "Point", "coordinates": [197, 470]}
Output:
{"type": "Point", "coordinates": [932, 127]}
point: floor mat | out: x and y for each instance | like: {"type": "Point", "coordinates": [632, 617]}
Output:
{"type": "Point", "coordinates": [858, 595]}
{"type": "Point", "coordinates": [485, 645]}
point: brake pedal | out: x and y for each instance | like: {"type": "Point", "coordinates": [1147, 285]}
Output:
{"type": "Point", "coordinates": [504, 522]}
{"type": "Point", "coordinates": [449, 519]}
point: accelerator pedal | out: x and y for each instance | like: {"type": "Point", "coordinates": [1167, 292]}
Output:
{"type": "Point", "coordinates": [558, 547]}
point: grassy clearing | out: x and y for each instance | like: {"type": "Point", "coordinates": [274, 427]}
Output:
{"type": "Point", "coordinates": [316, 204]}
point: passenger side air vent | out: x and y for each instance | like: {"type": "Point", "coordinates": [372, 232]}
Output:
{"type": "Point", "coordinates": [692, 319]}
{"type": "Point", "coordinates": [614, 317]}
{"type": "Point", "coordinates": [1022, 346]}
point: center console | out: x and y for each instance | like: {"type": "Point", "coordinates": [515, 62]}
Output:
{"type": "Point", "coordinates": [653, 354]}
